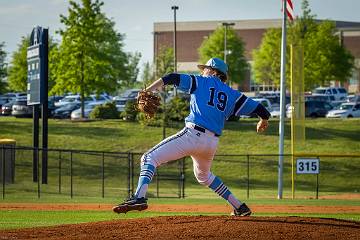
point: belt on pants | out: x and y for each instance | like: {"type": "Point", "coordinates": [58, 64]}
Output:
{"type": "Point", "coordinates": [200, 129]}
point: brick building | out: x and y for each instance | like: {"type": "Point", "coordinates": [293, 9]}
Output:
{"type": "Point", "coordinates": [191, 34]}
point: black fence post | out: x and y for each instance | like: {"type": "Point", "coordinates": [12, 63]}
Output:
{"type": "Point", "coordinates": [183, 177]}
{"type": "Point", "coordinates": [38, 172]}
{"type": "Point", "coordinates": [3, 171]}
{"type": "Point", "coordinates": [129, 175]}
{"type": "Point", "coordinates": [71, 174]}
{"type": "Point", "coordinates": [317, 180]}
{"type": "Point", "coordinates": [180, 178]}
{"type": "Point", "coordinates": [157, 183]}
{"type": "Point", "coordinates": [59, 167]}
{"type": "Point", "coordinates": [317, 186]}
{"type": "Point", "coordinates": [248, 177]}
{"type": "Point", "coordinates": [103, 174]}
{"type": "Point", "coordinates": [132, 174]}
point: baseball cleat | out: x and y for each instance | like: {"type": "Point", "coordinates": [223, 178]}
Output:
{"type": "Point", "coordinates": [131, 204]}
{"type": "Point", "coordinates": [242, 211]}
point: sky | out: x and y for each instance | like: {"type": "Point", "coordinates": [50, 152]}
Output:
{"type": "Point", "coordinates": [135, 18]}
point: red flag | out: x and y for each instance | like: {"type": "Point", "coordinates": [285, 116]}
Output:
{"type": "Point", "coordinates": [289, 10]}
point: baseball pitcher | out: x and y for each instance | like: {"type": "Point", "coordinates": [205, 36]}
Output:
{"type": "Point", "coordinates": [212, 102]}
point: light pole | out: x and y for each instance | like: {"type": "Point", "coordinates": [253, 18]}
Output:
{"type": "Point", "coordinates": [175, 48]}
{"type": "Point", "coordinates": [226, 25]}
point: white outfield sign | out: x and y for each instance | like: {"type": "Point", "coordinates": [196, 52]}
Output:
{"type": "Point", "coordinates": [307, 166]}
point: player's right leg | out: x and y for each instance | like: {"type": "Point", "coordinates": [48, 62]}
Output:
{"type": "Point", "coordinates": [171, 148]}
{"type": "Point", "coordinates": [202, 164]}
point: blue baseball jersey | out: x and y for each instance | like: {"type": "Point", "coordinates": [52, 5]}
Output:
{"type": "Point", "coordinates": [212, 101]}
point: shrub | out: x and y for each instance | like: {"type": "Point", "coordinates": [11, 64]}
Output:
{"type": "Point", "coordinates": [177, 109]}
{"type": "Point", "coordinates": [157, 121]}
{"type": "Point", "coordinates": [130, 111]}
{"type": "Point", "coordinates": [105, 111]}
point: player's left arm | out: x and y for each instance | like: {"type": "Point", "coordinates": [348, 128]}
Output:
{"type": "Point", "coordinates": [264, 115]}
{"type": "Point", "coordinates": [157, 85]}
{"type": "Point", "coordinates": [183, 81]}
{"type": "Point", "coordinates": [247, 106]}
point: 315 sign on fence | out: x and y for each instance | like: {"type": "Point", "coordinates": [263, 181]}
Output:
{"type": "Point", "coordinates": [307, 166]}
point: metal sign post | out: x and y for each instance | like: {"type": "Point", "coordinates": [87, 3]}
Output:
{"type": "Point", "coordinates": [309, 166]}
{"type": "Point", "coordinates": [37, 87]}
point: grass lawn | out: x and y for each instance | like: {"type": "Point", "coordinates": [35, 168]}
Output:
{"type": "Point", "coordinates": [338, 136]}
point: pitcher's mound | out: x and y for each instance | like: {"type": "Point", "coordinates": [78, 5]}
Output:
{"type": "Point", "coordinates": [198, 227]}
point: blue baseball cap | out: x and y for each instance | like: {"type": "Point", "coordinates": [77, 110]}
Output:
{"type": "Point", "coordinates": [215, 63]}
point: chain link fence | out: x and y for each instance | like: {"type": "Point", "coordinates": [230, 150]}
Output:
{"type": "Point", "coordinates": [76, 173]}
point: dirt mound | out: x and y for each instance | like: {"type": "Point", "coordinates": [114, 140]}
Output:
{"type": "Point", "coordinates": [197, 227]}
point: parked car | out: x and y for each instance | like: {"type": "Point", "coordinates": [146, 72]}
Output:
{"type": "Point", "coordinates": [6, 109]}
{"type": "Point", "coordinates": [129, 93]}
{"type": "Point", "coordinates": [179, 93]}
{"type": "Point", "coordinates": [325, 98]}
{"type": "Point", "coordinates": [120, 103]}
{"type": "Point", "coordinates": [3, 100]}
{"type": "Point", "coordinates": [68, 99]}
{"type": "Point", "coordinates": [15, 95]}
{"type": "Point", "coordinates": [339, 93]}
{"type": "Point", "coordinates": [275, 104]}
{"type": "Point", "coordinates": [317, 109]}
{"type": "Point", "coordinates": [76, 114]}
{"type": "Point", "coordinates": [313, 109]}
{"type": "Point", "coordinates": [268, 94]}
{"type": "Point", "coordinates": [320, 97]}
{"type": "Point", "coordinates": [65, 111]}
{"type": "Point", "coordinates": [353, 98]}
{"type": "Point", "coordinates": [55, 99]}
{"type": "Point", "coordinates": [346, 110]}
{"type": "Point", "coordinates": [265, 102]}
{"type": "Point", "coordinates": [21, 109]}
{"type": "Point", "coordinates": [77, 99]}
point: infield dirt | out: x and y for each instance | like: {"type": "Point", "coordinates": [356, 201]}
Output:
{"type": "Point", "coordinates": [195, 227]}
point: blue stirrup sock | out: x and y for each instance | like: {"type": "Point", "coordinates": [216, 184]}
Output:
{"type": "Point", "coordinates": [146, 174]}
{"type": "Point", "coordinates": [222, 190]}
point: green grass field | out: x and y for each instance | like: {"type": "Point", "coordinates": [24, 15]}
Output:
{"type": "Point", "coordinates": [323, 136]}
{"type": "Point", "coordinates": [12, 219]}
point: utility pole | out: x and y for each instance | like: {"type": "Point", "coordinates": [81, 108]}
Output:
{"type": "Point", "coordinates": [175, 46]}
{"type": "Point", "coordinates": [226, 25]}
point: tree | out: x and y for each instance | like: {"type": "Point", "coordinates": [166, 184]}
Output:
{"type": "Point", "coordinates": [17, 74]}
{"type": "Point", "coordinates": [147, 76]}
{"type": "Point", "coordinates": [3, 72]}
{"type": "Point", "coordinates": [132, 69]}
{"type": "Point", "coordinates": [325, 59]}
{"type": "Point", "coordinates": [164, 62]}
{"type": "Point", "coordinates": [330, 62]}
{"type": "Point", "coordinates": [214, 47]}
{"type": "Point", "coordinates": [267, 58]}
{"type": "Point", "coordinates": [90, 56]}
{"type": "Point", "coordinates": [17, 77]}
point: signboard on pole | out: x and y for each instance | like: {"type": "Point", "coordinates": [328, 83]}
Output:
{"type": "Point", "coordinates": [307, 166]}
{"type": "Point", "coordinates": [37, 94]}
{"type": "Point", "coordinates": [36, 67]}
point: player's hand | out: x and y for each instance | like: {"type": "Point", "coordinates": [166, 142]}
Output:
{"type": "Point", "coordinates": [262, 125]}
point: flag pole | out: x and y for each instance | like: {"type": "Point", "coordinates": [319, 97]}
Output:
{"type": "Point", "coordinates": [282, 103]}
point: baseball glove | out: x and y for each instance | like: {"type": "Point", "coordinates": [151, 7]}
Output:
{"type": "Point", "coordinates": [148, 103]}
